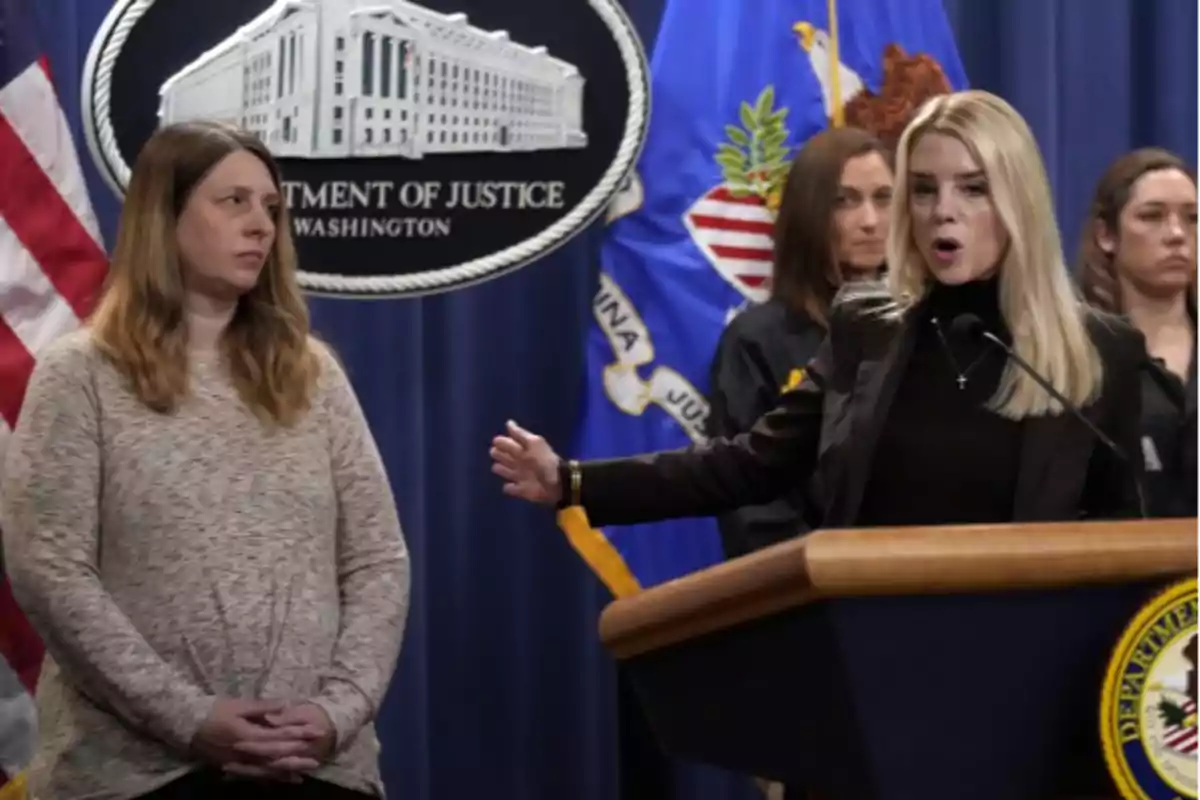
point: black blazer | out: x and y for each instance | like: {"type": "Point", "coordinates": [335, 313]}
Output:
{"type": "Point", "coordinates": [760, 353]}
{"type": "Point", "coordinates": [1169, 438]}
{"type": "Point", "coordinates": [829, 426]}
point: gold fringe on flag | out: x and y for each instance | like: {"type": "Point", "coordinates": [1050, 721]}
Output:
{"type": "Point", "coordinates": [597, 552]}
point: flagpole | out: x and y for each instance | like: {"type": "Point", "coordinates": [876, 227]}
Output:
{"type": "Point", "coordinates": [835, 66]}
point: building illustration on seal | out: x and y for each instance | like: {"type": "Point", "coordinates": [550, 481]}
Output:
{"type": "Point", "coordinates": [380, 78]}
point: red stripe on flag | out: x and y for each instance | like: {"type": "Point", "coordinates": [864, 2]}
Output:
{"type": "Point", "coordinates": [1178, 736]}
{"type": "Point", "coordinates": [727, 196]}
{"type": "Point", "coordinates": [16, 365]}
{"type": "Point", "coordinates": [744, 253]}
{"type": "Point", "coordinates": [753, 281]}
{"type": "Point", "coordinates": [19, 642]}
{"type": "Point", "coordinates": [727, 224]}
{"type": "Point", "coordinates": [46, 226]}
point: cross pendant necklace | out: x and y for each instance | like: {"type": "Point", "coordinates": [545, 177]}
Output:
{"type": "Point", "coordinates": [961, 374]}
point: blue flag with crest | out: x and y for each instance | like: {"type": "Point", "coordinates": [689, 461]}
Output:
{"type": "Point", "coordinates": [737, 87]}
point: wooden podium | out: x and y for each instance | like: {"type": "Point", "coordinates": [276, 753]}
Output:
{"type": "Point", "coordinates": [948, 663]}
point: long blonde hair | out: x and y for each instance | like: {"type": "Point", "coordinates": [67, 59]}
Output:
{"type": "Point", "coordinates": [139, 321]}
{"type": "Point", "coordinates": [1046, 318]}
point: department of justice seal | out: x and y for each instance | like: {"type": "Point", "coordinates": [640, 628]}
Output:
{"type": "Point", "coordinates": [1148, 705]}
{"type": "Point", "coordinates": [426, 145]}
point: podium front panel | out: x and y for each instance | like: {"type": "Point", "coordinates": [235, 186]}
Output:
{"type": "Point", "coordinates": [988, 697]}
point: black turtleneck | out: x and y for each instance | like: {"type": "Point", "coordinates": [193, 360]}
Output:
{"type": "Point", "coordinates": [942, 458]}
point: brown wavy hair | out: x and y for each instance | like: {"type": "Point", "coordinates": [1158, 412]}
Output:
{"type": "Point", "coordinates": [139, 322]}
{"type": "Point", "coordinates": [1096, 269]}
{"type": "Point", "coordinates": [805, 273]}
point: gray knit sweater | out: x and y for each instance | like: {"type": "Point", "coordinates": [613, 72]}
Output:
{"type": "Point", "coordinates": [170, 559]}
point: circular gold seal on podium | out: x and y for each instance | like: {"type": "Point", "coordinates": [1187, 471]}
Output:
{"type": "Point", "coordinates": [1148, 705]}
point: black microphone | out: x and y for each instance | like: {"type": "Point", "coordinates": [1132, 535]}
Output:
{"type": "Point", "coordinates": [970, 326]}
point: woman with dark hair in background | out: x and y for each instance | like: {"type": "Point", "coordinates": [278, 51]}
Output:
{"type": "Point", "coordinates": [1137, 257]}
{"type": "Point", "coordinates": [832, 227]}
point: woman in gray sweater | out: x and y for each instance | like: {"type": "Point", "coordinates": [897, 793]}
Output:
{"type": "Point", "coordinates": [197, 520]}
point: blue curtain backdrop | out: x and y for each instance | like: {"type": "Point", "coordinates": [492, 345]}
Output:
{"type": "Point", "coordinates": [503, 691]}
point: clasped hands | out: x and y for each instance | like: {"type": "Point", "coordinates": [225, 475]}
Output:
{"type": "Point", "coordinates": [265, 738]}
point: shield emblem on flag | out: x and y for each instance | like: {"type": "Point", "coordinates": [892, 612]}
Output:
{"type": "Point", "coordinates": [732, 224]}
{"type": "Point", "coordinates": [734, 233]}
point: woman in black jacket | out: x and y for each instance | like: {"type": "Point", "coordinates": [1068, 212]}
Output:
{"type": "Point", "coordinates": [831, 229]}
{"type": "Point", "coordinates": [1137, 258]}
{"type": "Point", "coordinates": [905, 417]}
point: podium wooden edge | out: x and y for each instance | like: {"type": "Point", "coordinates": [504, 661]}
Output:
{"type": "Point", "coordinates": [898, 561]}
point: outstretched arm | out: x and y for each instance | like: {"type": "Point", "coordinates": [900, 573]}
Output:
{"type": "Point", "coordinates": [752, 468]}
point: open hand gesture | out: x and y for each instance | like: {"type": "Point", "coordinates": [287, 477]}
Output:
{"type": "Point", "coordinates": [528, 466]}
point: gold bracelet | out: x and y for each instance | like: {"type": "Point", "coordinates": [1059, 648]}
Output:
{"type": "Point", "coordinates": [576, 481]}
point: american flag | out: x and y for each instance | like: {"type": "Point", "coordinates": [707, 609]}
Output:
{"type": "Point", "coordinates": [52, 263]}
{"type": "Point", "coordinates": [734, 233]}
